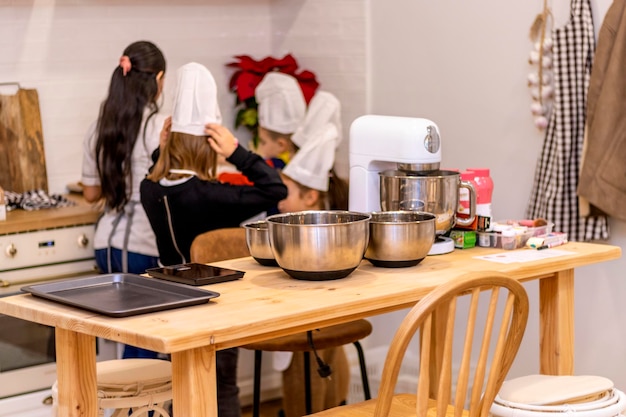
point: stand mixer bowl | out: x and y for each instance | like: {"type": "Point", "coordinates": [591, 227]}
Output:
{"type": "Point", "coordinates": [437, 192]}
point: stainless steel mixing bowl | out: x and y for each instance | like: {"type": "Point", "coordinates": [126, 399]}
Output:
{"type": "Point", "coordinates": [258, 241]}
{"type": "Point", "coordinates": [437, 190]}
{"type": "Point", "coordinates": [400, 238]}
{"type": "Point", "coordinates": [319, 245]}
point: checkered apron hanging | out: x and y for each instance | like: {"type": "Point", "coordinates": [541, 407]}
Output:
{"type": "Point", "coordinates": [553, 196]}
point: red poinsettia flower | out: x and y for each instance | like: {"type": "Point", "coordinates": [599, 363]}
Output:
{"type": "Point", "coordinates": [250, 73]}
{"type": "Point", "coordinates": [248, 76]}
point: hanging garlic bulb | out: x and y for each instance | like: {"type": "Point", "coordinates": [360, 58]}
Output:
{"type": "Point", "coordinates": [540, 81]}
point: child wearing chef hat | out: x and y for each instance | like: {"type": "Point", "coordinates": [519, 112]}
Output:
{"type": "Point", "coordinates": [311, 178]}
{"type": "Point", "coordinates": [281, 109]}
{"type": "Point", "coordinates": [183, 199]}
{"type": "Point", "coordinates": [313, 185]}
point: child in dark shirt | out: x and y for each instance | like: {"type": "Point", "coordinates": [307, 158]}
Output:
{"type": "Point", "coordinates": [183, 199]}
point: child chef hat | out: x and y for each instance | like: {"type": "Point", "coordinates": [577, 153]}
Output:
{"type": "Point", "coordinates": [324, 108]}
{"type": "Point", "coordinates": [195, 101]}
{"type": "Point", "coordinates": [281, 104]}
{"type": "Point", "coordinates": [312, 163]}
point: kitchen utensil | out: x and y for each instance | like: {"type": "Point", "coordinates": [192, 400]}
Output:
{"type": "Point", "coordinates": [399, 147]}
{"type": "Point", "coordinates": [380, 143]}
{"type": "Point", "coordinates": [195, 274]}
{"type": "Point", "coordinates": [22, 156]}
{"type": "Point", "coordinates": [400, 238]}
{"type": "Point", "coordinates": [121, 295]}
{"type": "Point", "coordinates": [258, 241]}
{"type": "Point", "coordinates": [319, 245]}
{"type": "Point", "coordinates": [439, 190]}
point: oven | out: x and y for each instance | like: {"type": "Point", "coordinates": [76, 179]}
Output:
{"type": "Point", "coordinates": [27, 350]}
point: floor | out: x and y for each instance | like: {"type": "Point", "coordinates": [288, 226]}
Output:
{"type": "Point", "coordinates": [268, 409]}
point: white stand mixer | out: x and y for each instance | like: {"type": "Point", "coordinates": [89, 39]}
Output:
{"type": "Point", "coordinates": [380, 143]}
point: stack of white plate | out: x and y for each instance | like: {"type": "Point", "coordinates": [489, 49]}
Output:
{"type": "Point", "coordinates": [549, 396]}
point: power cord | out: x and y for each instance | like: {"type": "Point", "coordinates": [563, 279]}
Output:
{"type": "Point", "coordinates": [323, 369]}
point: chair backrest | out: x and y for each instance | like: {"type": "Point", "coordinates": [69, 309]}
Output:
{"type": "Point", "coordinates": [219, 245]}
{"type": "Point", "coordinates": [487, 337]}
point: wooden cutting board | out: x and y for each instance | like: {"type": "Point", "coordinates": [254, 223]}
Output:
{"type": "Point", "coordinates": [22, 158]}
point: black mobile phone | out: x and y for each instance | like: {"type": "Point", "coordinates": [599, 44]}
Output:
{"type": "Point", "coordinates": [195, 274]}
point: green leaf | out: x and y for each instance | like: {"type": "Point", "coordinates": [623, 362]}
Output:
{"type": "Point", "coordinates": [249, 117]}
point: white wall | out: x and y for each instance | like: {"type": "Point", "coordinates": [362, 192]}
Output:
{"type": "Point", "coordinates": [67, 50]}
{"type": "Point", "coordinates": [464, 65]}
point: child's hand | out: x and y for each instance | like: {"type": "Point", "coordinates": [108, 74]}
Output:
{"type": "Point", "coordinates": [221, 139]}
{"type": "Point", "coordinates": [165, 132]}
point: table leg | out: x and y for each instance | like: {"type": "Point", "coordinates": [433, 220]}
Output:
{"type": "Point", "coordinates": [194, 382]}
{"type": "Point", "coordinates": [556, 325]}
{"type": "Point", "coordinates": [76, 374]}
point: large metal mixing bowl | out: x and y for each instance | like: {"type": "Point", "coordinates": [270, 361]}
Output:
{"type": "Point", "coordinates": [437, 190]}
{"type": "Point", "coordinates": [319, 245]}
{"type": "Point", "coordinates": [400, 238]}
{"type": "Point", "coordinates": [258, 241]}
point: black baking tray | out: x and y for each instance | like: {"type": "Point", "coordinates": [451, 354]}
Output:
{"type": "Point", "coordinates": [121, 295]}
{"type": "Point", "coordinates": [195, 274]}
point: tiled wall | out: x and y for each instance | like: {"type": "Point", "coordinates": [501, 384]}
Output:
{"type": "Point", "coordinates": [329, 37]}
{"type": "Point", "coordinates": [67, 49]}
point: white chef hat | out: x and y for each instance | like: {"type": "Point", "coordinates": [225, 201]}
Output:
{"type": "Point", "coordinates": [324, 108]}
{"type": "Point", "coordinates": [281, 104]}
{"type": "Point", "coordinates": [195, 101]}
{"type": "Point", "coordinates": [312, 163]}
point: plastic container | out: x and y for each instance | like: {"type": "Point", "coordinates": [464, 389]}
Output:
{"type": "Point", "coordinates": [495, 239]}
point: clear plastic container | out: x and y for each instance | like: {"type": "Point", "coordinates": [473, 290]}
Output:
{"type": "Point", "coordinates": [498, 240]}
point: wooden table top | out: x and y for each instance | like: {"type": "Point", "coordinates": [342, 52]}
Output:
{"type": "Point", "coordinates": [267, 301]}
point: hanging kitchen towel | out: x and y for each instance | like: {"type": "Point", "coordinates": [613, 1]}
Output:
{"type": "Point", "coordinates": [22, 158]}
{"type": "Point", "coordinates": [554, 195]}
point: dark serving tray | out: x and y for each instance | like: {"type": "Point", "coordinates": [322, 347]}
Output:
{"type": "Point", "coordinates": [121, 295]}
{"type": "Point", "coordinates": [195, 274]}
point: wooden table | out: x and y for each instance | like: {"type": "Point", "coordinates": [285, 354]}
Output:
{"type": "Point", "coordinates": [267, 303]}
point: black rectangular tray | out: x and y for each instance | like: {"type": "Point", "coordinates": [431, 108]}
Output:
{"type": "Point", "coordinates": [195, 274]}
{"type": "Point", "coordinates": [121, 295]}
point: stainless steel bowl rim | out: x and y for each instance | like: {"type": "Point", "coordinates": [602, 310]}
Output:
{"type": "Point", "coordinates": [424, 174]}
{"type": "Point", "coordinates": [274, 218]}
{"type": "Point", "coordinates": [431, 216]}
{"type": "Point", "coordinates": [257, 225]}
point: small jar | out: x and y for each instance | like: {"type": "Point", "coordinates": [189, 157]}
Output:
{"type": "Point", "coordinates": [509, 239]}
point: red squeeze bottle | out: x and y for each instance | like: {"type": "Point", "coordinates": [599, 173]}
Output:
{"type": "Point", "coordinates": [484, 191]}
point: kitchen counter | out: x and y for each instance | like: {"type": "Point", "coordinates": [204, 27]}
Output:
{"type": "Point", "coordinates": [19, 221]}
{"type": "Point", "coordinates": [267, 303]}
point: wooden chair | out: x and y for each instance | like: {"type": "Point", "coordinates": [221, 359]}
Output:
{"type": "Point", "coordinates": [229, 243]}
{"type": "Point", "coordinates": [219, 245]}
{"type": "Point", "coordinates": [496, 336]}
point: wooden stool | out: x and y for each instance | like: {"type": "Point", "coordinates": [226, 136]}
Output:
{"type": "Point", "coordinates": [324, 338]}
{"type": "Point", "coordinates": [140, 385]}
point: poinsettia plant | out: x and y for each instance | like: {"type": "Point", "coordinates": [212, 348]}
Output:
{"type": "Point", "coordinates": [249, 74]}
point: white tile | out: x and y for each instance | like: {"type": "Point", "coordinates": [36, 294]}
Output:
{"type": "Point", "coordinates": [67, 50]}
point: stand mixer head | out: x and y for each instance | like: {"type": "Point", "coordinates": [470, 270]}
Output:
{"type": "Point", "coordinates": [380, 143]}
